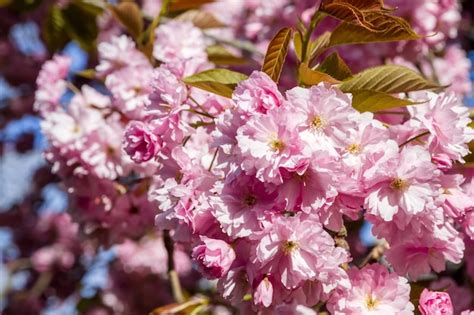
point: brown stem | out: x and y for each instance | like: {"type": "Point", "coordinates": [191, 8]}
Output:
{"type": "Point", "coordinates": [315, 19]}
{"type": "Point", "coordinates": [414, 138]}
{"type": "Point", "coordinates": [173, 275]}
{"type": "Point", "coordinates": [376, 253]}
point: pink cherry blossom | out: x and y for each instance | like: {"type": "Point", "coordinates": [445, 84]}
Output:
{"type": "Point", "coordinates": [214, 257]}
{"type": "Point", "coordinates": [51, 83]}
{"type": "Point", "coordinates": [264, 293]}
{"type": "Point", "coordinates": [324, 112]}
{"type": "Point", "coordinates": [433, 302]}
{"type": "Point", "coordinates": [140, 143]}
{"type": "Point", "coordinates": [295, 249]}
{"type": "Point", "coordinates": [268, 143]}
{"type": "Point", "coordinates": [447, 122]}
{"type": "Point", "coordinates": [406, 186]}
{"type": "Point", "coordinates": [178, 40]}
{"type": "Point", "coordinates": [240, 204]}
{"type": "Point", "coordinates": [257, 94]}
{"type": "Point", "coordinates": [167, 89]}
{"type": "Point", "coordinates": [374, 290]}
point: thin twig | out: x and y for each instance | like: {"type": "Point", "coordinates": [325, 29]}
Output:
{"type": "Point", "coordinates": [213, 159]}
{"type": "Point", "coordinates": [239, 44]}
{"type": "Point", "coordinates": [414, 138]}
{"type": "Point", "coordinates": [173, 275]}
{"type": "Point", "coordinates": [376, 253]}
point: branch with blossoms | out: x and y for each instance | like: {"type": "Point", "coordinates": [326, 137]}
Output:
{"type": "Point", "coordinates": [229, 187]}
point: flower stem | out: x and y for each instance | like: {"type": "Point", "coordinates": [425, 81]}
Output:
{"type": "Point", "coordinates": [315, 19]}
{"type": "Point", "coordinates": [414, 138]}
{"type": "Point", "coordinates": [173, 275]}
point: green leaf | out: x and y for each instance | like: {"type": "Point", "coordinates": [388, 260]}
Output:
{"type": "Point", "coordinates": [130, 16]}
{"type": "Point", "coordinates": [276, 53]}
{"type": "Point", "coordinates": [367, 5]}
{"type": "Point", "coordinates": [88, 73]}
{"type": "Point", "coordinates": [81, 25]}
{"type": "Point", "coordinates": [353, 11]}
{"type": "Point", "coordinates": [54, 29]}
{"type": "Point", "coordinates": [373, 101]}
{"type": "Point", "coordinates": [217, 81]}
{"type": "Point", "coordinates": [21, 5]}
{"type": "Point", "coordinates": [309, 77]}
{"type": "Point", "coordinates": [95, 7]}
{"type": "Point", "coordinates": [221, 56]}
{"type": "Point", "coordinates": [319, 45]}
{"type": "Point", "coordinates": [201, 19]}
{"type": "Point", "coordinates": [4, 3]}
{"type": "Point", "coordinates": [388, 29]}
{"type": "Point", "coordinates": [298, 44]}
{"type": "Point", "coordinates": [389, 79]}
{"type": "Point", "coordinates": [181, 5]}
{"type": "Point", "coordinates": [336, 67]}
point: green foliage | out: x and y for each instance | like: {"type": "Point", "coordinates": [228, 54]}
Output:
{"type": "Point", "coordinates": [309, 77]}
{"type": "Point", "coordinates": [373, 101]}
{"type": "Point", "coordinates": [219, 55]}
{"type": "Point", "coordinates": [181, 5]}
{"type": "Point", "coordinates": [201, 19]}
{"type": "Point", "coordinates": [218, 81]}
{"type": "Point", "coordinates": [387, 29]}
{"type": "Point", "coordinates": [335, 66]}
{"type": "Point", "coordinates": [353, 11]}
{"type": "Point", "coordinates": [75, 22]}
{"type": "Point", "coordinates": [276, 53]}
{"type": "Point", "coordinates": [130, 16]}
{"type": "Point", "coordinates": [20, 5]}
{"type": "Point", "coordinates": [388, 79]}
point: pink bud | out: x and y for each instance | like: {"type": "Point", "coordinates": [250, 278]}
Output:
{"type": "Point", "coordinates": [442, 161]}
{"type": "Point", "coordinates": [264, 293]}
{"type": "Point", "coordinates": [434, 303]}
{"type": "Point", "coordinates": [140, 143]}
{"type": "Point", "coordinates": [214, 257]}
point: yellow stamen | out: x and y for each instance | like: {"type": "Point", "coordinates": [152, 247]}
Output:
{"type": "Point", "coordinates": [399, 184]}
{"type": "Point", "coordinates": [250, 200]}
{"type": "Point", "coordinates": [318, 123]}
{"type": "Point", "coordinates": [371, 302]}
{"type": "Point", "coordinates": [289, 246]}
{"type": "Point", "coordinates": [353, 148]}
{"type": "Point", "coordinates": [276, 144]}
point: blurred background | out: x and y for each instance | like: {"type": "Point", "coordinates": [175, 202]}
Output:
{"type": "Point", "coordinates": [33, 201]}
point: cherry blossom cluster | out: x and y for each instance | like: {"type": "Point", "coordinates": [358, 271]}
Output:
{"type": "Point", "coordinates": [287, 170]}
{"type": "Point", "coordinates": [259, 191]}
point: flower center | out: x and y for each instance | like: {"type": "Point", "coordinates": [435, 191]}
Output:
{"type": "Point", "coordinates": [318, 123]}
{"type": "Point", "coordinates": [399, 184]}
{"type": "Point", "coordinates": [110, 151]}
{"type": "Point", "coordinates": [276, 144]}
{"type": "Point", "coordinates": [371, 302]}
{"type": "Point", "coordinates": [446, 191]}
{"type": "Point", "coordinates": [289, 247]}
{"type": "Point", "coordinates": [250, 200]}
{"type": "Point", "coordinates": [353, 148]}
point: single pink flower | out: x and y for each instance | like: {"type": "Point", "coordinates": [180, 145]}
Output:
{"type": "Point", "coordinates": [324, 112]}
{"type": "Point", "coordinates": [374, 290]}
{"type": "Point", "coordinates": [435, 303]}
{"type": "Point", "coordinates": [263, 293]}
{"type": "Point", "coordinates": [268, 142]}
{"type": "Point", "coordinates": [447, 121]}
{"type": "Point", "coordinates": [407, 182]}
{"type": "Point", "coordinates": [178, 40]}
{"type": "Point", "coordinates": [214, 257]}
{"type": "Point", "coordinates": [295, 249]}
{"type": "Point", "coordinates": [257, 94]}
{"type": "Point", "coordinates": [140, 143]}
